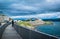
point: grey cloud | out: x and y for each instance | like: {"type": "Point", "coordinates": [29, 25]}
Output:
{"type": "Point", "coordinates": [42, 6]}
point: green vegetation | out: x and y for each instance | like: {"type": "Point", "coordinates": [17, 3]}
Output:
{"type": "Point", "coordinates": [48, 22]}
{"type": "Point", "coordinates": [24, 23]}
{"type": "Point", "coordinates": [27, 23]}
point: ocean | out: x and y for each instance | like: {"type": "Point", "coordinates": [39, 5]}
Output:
{"type": "Point", "coordinates": [53, 29]}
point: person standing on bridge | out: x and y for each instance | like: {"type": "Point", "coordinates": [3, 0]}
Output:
{"type": "Point", "coordinates": [0, 23]}
{"type": "Point", "coordinates": [12, 23]}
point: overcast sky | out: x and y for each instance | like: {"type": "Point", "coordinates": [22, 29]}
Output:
{"type": "Point", "coordinates": [26, 8]}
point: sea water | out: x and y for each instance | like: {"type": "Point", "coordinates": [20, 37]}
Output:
{"type": "Point", "coordinates": [53, 29]}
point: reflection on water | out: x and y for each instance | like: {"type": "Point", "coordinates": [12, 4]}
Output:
{"type": "Point", "coordinates": [50, 29]}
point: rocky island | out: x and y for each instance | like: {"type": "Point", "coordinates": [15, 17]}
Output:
{"type": "Point", "coordinates": [32, 22]}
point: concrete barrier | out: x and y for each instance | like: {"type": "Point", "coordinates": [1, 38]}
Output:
{"type": "Point", "coordinates": [2, 28]}
{"type": "Point", "coordinates": [31, 34]}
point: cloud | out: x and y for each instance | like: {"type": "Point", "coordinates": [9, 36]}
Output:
{"type": "Point", "coordinates": [58, 17]}
{"type": "Point", "coordinates": [8, 1]}
{"type": "Point", "coordinates": [42, 16]}
{"type": "Point", "coordinates": [23, 7]}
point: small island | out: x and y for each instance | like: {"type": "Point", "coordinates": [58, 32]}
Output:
{"type": "Point", "coordinates": [33, 22]}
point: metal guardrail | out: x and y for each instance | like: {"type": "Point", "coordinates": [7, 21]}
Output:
{"type": "Point", "coordinates": [31, 34]}
{"type": "Point", "coordinates": [2, 28]}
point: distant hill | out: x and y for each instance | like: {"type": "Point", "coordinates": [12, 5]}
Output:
{"type": "Point", "coordinates": [57, 19]}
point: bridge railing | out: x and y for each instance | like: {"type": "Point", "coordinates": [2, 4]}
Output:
{"type": "Point", "coordinates": [2, 28]}
{"type": "Point", "coordinates": [26, 33]}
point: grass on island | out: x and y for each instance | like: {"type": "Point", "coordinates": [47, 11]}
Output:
{"type": "Point", "coordinates": [26, 23]}
{"type": "Point", "coordinates": [48, 22]}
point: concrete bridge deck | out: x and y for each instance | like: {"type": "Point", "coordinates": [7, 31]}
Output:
{"type": "Point", "coordinates": [10, 33]}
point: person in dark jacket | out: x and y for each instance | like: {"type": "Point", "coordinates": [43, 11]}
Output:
{"type": "Point", "coordinates": [0, 23]}
{"type": "Point", "coordinates": [12, 23]}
